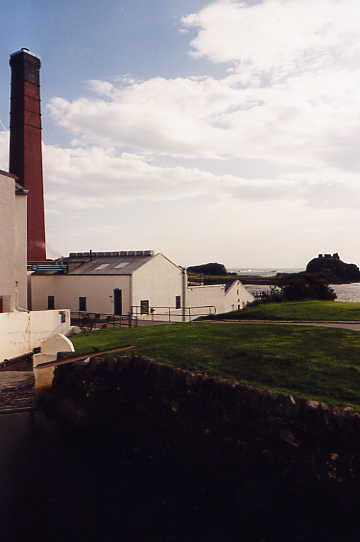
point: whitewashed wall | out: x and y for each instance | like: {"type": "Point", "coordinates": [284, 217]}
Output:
{"type": "Point", "coordinates": [159, 281]}
{"type": "Point", "coordinates": [218, 298]}
{"type": "Point", "coordinates": [237, 297]}
{"type": "Point", "coordinates": [21, 250]}
{"type": "Point", "coordinates": [7, 235]}
{"type": "Point", "coordinates": [13, 245]}
{"type": "Point", "coordinates": [20, 332]}
{"type": "Point", "coordinates": [208, 299]}
{"type": "Point", "coordinates": [67, 289]}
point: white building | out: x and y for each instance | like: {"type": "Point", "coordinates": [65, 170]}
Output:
{"type": "Point", "coordinates": [140, 283]}
{"type": "Point", "coordinates": [13, 247]}
{"type": "Point", "coordinates": [20, 330]}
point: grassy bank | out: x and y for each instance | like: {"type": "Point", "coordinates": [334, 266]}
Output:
{"type": "Point", "coordinates": [312, 363]}
{"type": "Point", "coordinates": [298, 310]}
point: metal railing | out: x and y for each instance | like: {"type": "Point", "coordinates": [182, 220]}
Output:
{"type": "Point", "coordinates": [182, 314]}
{"type": "Point", "coordinates": [89, 321]}
{"type": "Point", "coordinates": [94, 320]}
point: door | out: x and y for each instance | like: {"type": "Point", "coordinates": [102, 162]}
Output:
{"type": "Point", "coordinates": [117, 301]}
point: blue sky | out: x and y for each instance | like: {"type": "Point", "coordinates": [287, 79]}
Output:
{"type": "Point", "coordinates": [210, 130]}
{"type": "Point", "coordinates": [83, 40]}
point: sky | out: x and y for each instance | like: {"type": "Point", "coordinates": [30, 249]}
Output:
{"type": "Point", "coordinates": [223, 130]}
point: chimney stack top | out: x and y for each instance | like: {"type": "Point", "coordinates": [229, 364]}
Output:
{"type": "Point", "coordinates": [24, 50]}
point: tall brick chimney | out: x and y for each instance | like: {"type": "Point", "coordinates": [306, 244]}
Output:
{"type": "Point", "coordinates": [25, 144]}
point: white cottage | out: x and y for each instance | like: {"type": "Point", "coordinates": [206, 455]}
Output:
{"type": "Point", "coordinates": [140, 283]}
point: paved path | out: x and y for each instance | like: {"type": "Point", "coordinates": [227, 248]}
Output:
{"type": "Point", "coordinates": [354, 326]}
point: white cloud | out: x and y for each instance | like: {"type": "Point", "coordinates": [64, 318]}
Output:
{"type": "Point", "coordinates": [103, 88]}
{"type": "Point", "coordinates": [90, 178]}
{"type": "Point", "coordinates": [99, 178]}
{"type": "Point", "coordinates": [288, 98]}
{"type": "Point", "coordinates": [277, 33]}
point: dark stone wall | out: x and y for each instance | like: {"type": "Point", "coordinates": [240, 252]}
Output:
{"type": "Point", "coordinates": [225, 428]}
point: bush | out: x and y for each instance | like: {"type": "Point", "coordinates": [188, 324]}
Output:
{"type": "Point", "coordinates": [307, 287]}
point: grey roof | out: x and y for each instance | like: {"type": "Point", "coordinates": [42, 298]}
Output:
{"type": "Point", "coordinates": [116, 265]}
{"type": "Point", "coordinates": [97, 263]}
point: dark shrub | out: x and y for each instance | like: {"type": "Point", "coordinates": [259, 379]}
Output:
{"type": "Point", "coordinates": [306, 286]}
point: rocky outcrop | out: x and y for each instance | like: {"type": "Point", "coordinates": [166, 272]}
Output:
{"type": "Point", "coordinates": [333, 269]}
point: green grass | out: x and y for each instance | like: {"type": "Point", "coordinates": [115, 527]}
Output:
{"type": "Point", "coordinates": [298, 310]}
{"type": "Point", "coordinates": [312, 363]}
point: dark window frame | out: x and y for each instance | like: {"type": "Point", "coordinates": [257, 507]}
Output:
{"type": "Point", "coordinates": [178, 302]}
{"type": "Point", "coordinates": [51, 302]}
{"type": "Point", "coordinates": [82, 304]}
{"type": "Point", "coordinates": [144, 306]}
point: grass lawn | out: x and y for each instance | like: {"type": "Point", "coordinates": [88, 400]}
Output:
{"type": "Point", "coordinates": [313, 363]}
{"type": "Point", "coordinates": [297, 310]}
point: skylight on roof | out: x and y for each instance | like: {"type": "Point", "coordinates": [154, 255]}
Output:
{"type": "Point", "coordinates": [121, 265]}
{"type": "Point", "coordinates": [102, 266]}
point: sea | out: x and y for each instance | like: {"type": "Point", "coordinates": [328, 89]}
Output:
{"type": "Point", "coordinates": [344, 292]}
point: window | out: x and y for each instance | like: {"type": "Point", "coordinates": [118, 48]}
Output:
{"type": "Point", "coordinates": [144, 306]}
{"type": "Point", "coordinates": [82, 303]}
{"type": "Point", "coordinates": [51, 302]}
{"type": "Point", "coordinates": [62, 315]}
{"type": "Point", "coordinates": [102, 266]}
{"type": "Point", "coordinates": [178, 302]}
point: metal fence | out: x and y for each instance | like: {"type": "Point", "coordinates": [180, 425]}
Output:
{"type": "Point", "coordinates": [185, 314]}
{"type": "Point", "coordinates": [93, 320]}
{"type": "Point", "coordinates": [88, 321]}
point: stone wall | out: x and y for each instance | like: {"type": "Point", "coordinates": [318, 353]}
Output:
{"type": "Point", "coordinates": [225, 427]}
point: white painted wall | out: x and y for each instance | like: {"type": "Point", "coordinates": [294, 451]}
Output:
{"type": "Point", "coordinates": [208, 299]}
{"type": "Point", "coordinates": [21, 250]}
{"type": "Point", "coordinates": [67, 289]}
{"type": "Point", "coordinates": [20, 332]}
{"type": "Point", "coordinates": [218, 298]}
{"type": "Point", "coordinates": [237, 297]}
{"type": "Point", "coordinates": [13, 212]}
{"type": "Point", "coordinates": [7, 235]}
{"type": "Point", "coordinates": [159, 281]}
